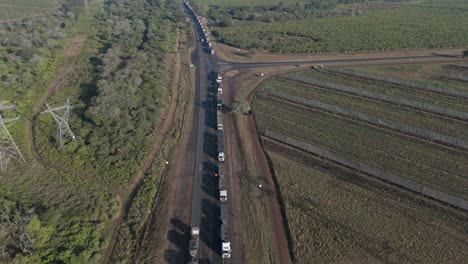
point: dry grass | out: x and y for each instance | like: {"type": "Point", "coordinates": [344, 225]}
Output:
{"type": "Point", "coordinates": [335, 219]}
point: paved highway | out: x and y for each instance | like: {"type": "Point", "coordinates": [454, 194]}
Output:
{"type": "Point", "coordinates": [205, 211]}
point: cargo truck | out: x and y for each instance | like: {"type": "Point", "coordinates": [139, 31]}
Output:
{"type": "Point", "coordinates": [221, 156]}
{"type": "Point", "coordinates": [225, 242]}
{"type": "Point", "coordinates": [194, 245]}
{"type": "Point", "coordinates": [219, 120]}
{"type": "Point", "coordinates": [222, 188]}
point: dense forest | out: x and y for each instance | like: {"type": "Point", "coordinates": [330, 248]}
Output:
{"type": "Point", "coordinates": [117, 81]}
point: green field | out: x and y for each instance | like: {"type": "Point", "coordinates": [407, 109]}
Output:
{"type": "Point", "coordinates": [246, 2]}
{"type": "Point", "coordinates": [410, 117]}
{"type": "Point", "coordinates": [14, 9]}
{"type": "Point", "coordinates": [419, 73]}
{"type": "Point", "coordinates": [335, 216]}
{"type": "Point", "coordinates": [387, 89]}
{"type": "Point", "coordinates": [432, 165]}
{"type": "Point", "coordinates": [416, 26]}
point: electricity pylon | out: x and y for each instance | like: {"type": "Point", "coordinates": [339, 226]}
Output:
{"type": "Point", "coordinates": [8, 148]}
{"type": "Point", "coordinates": [63, 129]}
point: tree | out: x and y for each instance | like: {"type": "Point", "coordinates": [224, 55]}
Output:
{"type": "Point", "coordinates": [14, 232]}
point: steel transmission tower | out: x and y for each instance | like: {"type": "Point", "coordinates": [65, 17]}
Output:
{"type": "Point", "coordinates": [8, 148]}
{"type": "Point", "coordinates": [63, 129]}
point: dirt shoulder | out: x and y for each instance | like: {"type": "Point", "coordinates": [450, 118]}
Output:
{"type": "Point", "coordinates": [231, 54]}
{"type": "Point", "coordinates": [170, 215]}
{"type": "Point", "coordinates": [264, 229]}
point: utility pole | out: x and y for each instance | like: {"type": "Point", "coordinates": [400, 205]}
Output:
{"type": "Point", "coordinates": [63, 129]}
{"type": "Point", "coordinates": [8, 148]}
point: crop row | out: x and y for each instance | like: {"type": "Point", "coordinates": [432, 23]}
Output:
{"type": "Point", "coordinates": [388, 89]}
{"type": "Point", "coordinates": [417, 26]}
{"type": "Point", "coordinates": [406, 116]}
{"type": "Point", "coordinates": [373, 120]}
{"type": "Point", "coordinates": [360, 222]}
{"type": "Point", "coordinates": [438, 168]}
{"type": "Point", "coordinates": [403, 84]}
{"type": "Point", "coordinates": [425, 107]}
{"type": "Point", "coordinates": [420, 74]}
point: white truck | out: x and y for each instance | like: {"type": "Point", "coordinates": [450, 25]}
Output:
{"type": "Point", "coordinates": [225, 243]}
{"type": "Point", "coordinates": [223, 195]}
{"type": "Point", "coordinates": [194, 245]}
{"type": "Point", "coordinates": [219, 120]}
{"type": "Point", "coordinates": [221, 156]}
{"type": "Point", "coordinates": [222, 188]}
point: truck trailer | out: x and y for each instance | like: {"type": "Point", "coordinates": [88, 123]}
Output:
{"type": "Point", "coordinates": [194, 245]}
{"type": "Point", "coordinates": [225, 241]}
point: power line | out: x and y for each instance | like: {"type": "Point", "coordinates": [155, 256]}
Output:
{"type": "Point", "coordinates": [63, 129]}
{"type": "Point", "coordinates": [8, 148]}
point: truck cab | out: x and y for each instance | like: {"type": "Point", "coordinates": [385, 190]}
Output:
{"type": "Point", "coordinates": [194, 245]}
{"type": "Point", "coordinates": [226, 247]}
{"type": "Point", "coordinates": [221, 156]}
{"type": "Point", "coordinates": [223, 195]}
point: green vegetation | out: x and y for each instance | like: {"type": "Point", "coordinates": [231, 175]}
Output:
{"type": "Point", "coordinates": [113, 64]}
{"type": "Point", "coordinates": [431, 165]}
{"type": "Point", "coordinates": [403, 115]}
{"type": "Point", "coordinates": [336, 216]}
{"type": "Point", "coordinates": [415, 26]}
{"type": "Point", "coordinates": [119, 96]}
{"type": "Point", "coordinates": [65, 216]}
{"type": "Point", "coordinates": [391, 90]}
{"type": "Point", "coordinates": [420, 73]}
{"type": "Point", "coordinates": [14, 9]}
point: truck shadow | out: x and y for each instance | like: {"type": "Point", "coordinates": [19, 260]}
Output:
{"type": "Point", "coordinates": [210, 225]}
{"type": "Point", "coordinates": [209, 181]}
{"type": "Point", "coordinates": [210, 145]}
{"type": "Point", "coordinates": [178, 236]}
{"type": "Point", "coordinates": [209, 107]}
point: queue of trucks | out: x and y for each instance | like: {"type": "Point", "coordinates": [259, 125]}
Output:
{"type": "Point", "coordinates": [194, 244]}
{"type": "Point", "coordinates": [223, 194]}
{"type": "Point", "coordinates": [204, 35]}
